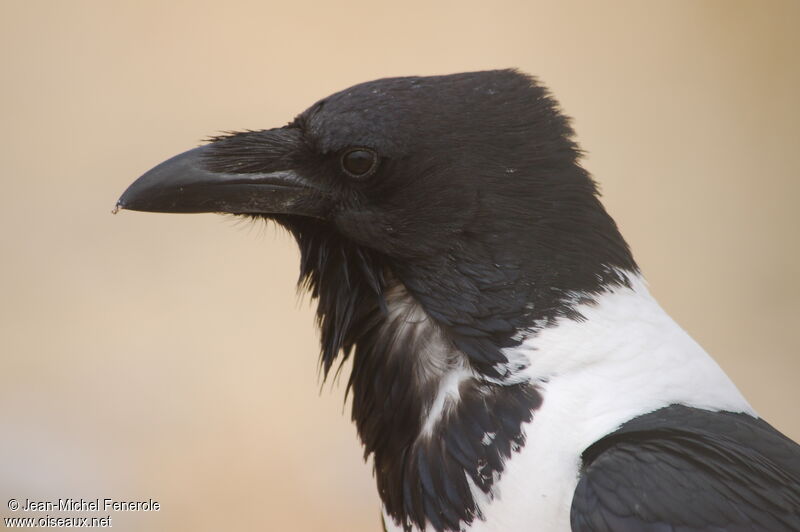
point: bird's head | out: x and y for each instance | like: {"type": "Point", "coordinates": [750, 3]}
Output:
{"type": "Point", "coordinates": [440, 220]}
{"type": "Point", "coordinates": [465, 189]}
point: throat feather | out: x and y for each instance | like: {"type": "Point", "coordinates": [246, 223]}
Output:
{"type": "Point", "coordinates": [439, 432]}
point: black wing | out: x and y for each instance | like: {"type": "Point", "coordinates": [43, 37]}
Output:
{"type": "Point", "coordinates": [684, 469]}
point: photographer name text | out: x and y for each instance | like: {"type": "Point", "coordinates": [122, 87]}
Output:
{"type": "Point", "coordinates": [87, 505]}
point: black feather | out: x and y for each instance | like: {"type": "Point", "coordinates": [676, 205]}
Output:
{"type": "Point", "coordinates": [687, 469]}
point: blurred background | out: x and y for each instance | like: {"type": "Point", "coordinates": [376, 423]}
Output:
{"type": "Point", "coordinates": [169, 357]}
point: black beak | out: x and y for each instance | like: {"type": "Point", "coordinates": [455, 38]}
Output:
{"type": "Point", "coordinates": [185, 184]}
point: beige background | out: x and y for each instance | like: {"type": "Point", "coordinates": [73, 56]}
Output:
{"type": "Point", "coordinates": [167, 357]}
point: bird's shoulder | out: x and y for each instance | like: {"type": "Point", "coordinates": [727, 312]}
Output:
{"type": "Point", "coordinates": [688, 469]}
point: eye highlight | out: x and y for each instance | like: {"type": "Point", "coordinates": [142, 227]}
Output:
{"type": "Point", "coordinates": [359, 163]}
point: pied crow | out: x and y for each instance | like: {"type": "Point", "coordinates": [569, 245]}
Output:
{"type": "Point", "coordinates": [510, 370]}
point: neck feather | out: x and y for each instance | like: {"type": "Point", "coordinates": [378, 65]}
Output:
{"type": "Point", "coordinates": [439, 402]}
{"type": "Point", "coordinates": [439, 431]}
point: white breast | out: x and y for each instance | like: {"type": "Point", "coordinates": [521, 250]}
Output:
{"type": "Point", "coordinates": [627, 358]}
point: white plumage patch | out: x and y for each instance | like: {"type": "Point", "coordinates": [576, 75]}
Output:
{"type": "Point", "coordinates": [626, 359]}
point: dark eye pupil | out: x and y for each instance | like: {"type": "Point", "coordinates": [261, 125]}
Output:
{"type": "Point", "coordinates": [358, 162]}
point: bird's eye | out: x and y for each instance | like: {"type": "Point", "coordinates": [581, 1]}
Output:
{"type": "Point", "coordinates": [359, 162]}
